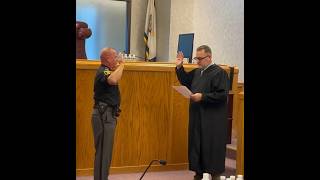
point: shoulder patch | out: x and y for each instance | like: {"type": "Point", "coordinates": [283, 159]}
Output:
{"type": "Point", "coordinates": [107, 72]}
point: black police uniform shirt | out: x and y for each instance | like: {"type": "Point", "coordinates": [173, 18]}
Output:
{"type": "Point", "coordinates": [104, 92]}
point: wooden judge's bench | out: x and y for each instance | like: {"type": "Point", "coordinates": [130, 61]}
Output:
{"type": "Point", "coordinates": [153, 123]}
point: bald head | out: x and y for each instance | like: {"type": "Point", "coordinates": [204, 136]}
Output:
{"type": "Point", "coordinates": [108, 57]}
{"type": "Point", "coordinates": [107, 53]}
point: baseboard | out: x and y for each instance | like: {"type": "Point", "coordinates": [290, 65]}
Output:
{"type": "Point", "coordinates": [134, 169]}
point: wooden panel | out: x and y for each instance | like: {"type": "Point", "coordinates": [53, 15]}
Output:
{"type": "Point", "coordinates": [230, 117]}
{"type": "Point", "coordinates": [145, 111]}
{"type": "Point", "coordinates": [153, 123]}
{"type": "Point", "coordinates": [240, 87]}
{"type": "Point", "coordinates": [236, 108]}
{"type": "Point", "coordinates": [84, 136]}
{"type": "Point", "coordinates": [151, 66]}
{"type": "Point", "coordinates": [180, 120]}
{"type": "Point", "coordinates": [240, 141]}
{"type": "Point", "coordinates": [132, 169]}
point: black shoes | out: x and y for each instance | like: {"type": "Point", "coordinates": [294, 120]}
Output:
{"type": "Point", "coordinates": [198, 176]}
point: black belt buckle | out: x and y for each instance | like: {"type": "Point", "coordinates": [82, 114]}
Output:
{"type": "Point", "coordinates": [102, 107]}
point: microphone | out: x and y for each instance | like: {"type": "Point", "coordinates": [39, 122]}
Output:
{"type": "Point", "coordinates": [162, 162]}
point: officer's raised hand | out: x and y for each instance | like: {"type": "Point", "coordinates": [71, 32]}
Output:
{"type": "Point", "coordinates": [114, 62]}
{"type": "Point", "coordinates": [120, 58]}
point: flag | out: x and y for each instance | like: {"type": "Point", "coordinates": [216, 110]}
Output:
{"type": "Point", "coordinates": [150, 32]}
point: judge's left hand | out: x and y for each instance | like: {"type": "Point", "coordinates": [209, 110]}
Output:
{"type": "Point", "coordinates": [196, 97]}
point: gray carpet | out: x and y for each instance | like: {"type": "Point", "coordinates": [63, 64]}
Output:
{"type": "Point", "coordinates": [176, 175]}
{"type": "Point", "coordinates": [165, 175]}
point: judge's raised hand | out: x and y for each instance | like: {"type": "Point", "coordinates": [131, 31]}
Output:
{"type": "Point", "coordinates": [179, 59]}
{"type": "Point", "coordinates": [196, 97]}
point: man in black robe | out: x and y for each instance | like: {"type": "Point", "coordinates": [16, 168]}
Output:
{"type": "Point", "coordinates": [207, 113]}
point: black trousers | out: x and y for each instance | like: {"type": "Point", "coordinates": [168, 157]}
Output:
{"type": "Point", "coordinates": [103, 123]}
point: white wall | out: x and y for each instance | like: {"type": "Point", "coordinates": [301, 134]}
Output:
{"type": "Point", "coordinates": [138, 19]}
{"type": "Point", "coordinates": [220, 24]}
{"type": "Point", "coordinates": [217, 23]}
{"type": "Point", "coordinates": [163, 8]}
{"type": "Point", "coordinates": [182, 22]}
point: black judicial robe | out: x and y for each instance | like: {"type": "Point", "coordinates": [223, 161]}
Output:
{"type": "Point", "coordinates": [207, 118]}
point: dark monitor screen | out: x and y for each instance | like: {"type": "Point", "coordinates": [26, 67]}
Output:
{"type": "Point", "coordinates": [185, 45]}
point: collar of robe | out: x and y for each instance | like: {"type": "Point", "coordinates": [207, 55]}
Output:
{"type": "Point", "coordinates": [203, 69]}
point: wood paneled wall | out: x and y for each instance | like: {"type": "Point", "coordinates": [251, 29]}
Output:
{"type": "Point", "coordinates": [240, 135]}
{"type": "Point", "coordinates": [153, 122]}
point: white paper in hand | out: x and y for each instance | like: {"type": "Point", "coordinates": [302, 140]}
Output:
{"type": "Point", "coordinates": [183, 90]}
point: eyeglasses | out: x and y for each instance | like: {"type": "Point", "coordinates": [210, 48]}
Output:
{"type": "Point", "coordinates": [200, 58]}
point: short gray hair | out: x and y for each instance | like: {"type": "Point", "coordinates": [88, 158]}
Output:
{"type": "Point", "coordinates": [206, 49]}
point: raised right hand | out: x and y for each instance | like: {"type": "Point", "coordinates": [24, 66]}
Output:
{"type": "Point", "coordinates": [179, 59]}
{"type": "Point", "coordinates": [120, 58]}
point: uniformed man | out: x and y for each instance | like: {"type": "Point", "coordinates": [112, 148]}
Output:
{"type": "Point", "coordinates": [207, 113]}
{"type": "Point", "coordinates": [106, 109]}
